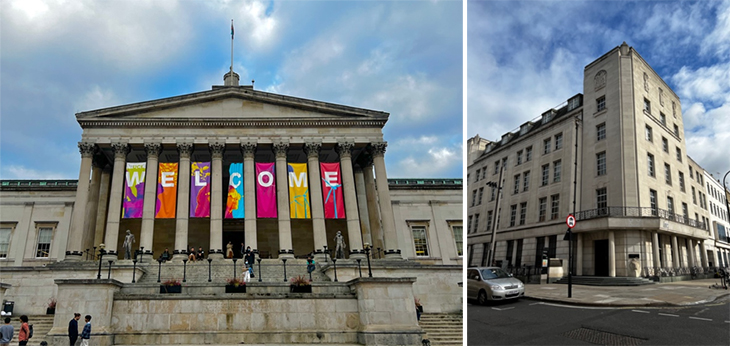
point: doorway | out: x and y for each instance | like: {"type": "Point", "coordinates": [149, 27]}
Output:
{"type": "Point", "coordinates": [601, 257]}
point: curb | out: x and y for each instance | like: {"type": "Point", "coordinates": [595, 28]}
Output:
{"type": "Point", "coordinates": [622, 305]}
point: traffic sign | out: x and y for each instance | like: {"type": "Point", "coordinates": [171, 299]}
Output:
{"type": "Point", "coordinates": [570, 220]}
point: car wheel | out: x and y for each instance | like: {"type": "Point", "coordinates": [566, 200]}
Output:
{"type": "Point", "coordinates": [482, 298]}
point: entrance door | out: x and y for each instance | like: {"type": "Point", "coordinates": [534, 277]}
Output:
{"type": "Point", "coordinates": [601, 257]}
{"type": "Point", "coordinates": [236, 238]}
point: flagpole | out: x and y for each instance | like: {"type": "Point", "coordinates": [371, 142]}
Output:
{"type": "Point", "coordinates": [231, 47]}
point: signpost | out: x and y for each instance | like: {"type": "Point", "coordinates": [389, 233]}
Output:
{"type": "Point", "coordinates": [570, 221]}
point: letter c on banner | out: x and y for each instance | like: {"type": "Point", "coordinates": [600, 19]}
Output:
{"type": "Point", "coordinates": [232, 183]}
{"type": "Point", "coordinates": [261, 178]}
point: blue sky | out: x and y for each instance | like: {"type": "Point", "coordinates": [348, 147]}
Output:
{"type": "Point", "coordinates": [58, 58]}
{"type": "Point", "coordinates": [525, 57]}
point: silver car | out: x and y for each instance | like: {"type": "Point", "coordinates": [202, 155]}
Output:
{"type": "Point", "coordinates": [492, 283]}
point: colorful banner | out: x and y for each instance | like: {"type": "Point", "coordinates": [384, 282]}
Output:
{"type": "Point", "coordinates": [200, 189]}
{"type": "Point", "coordinates": [234, 202]}
{"type": "Point", "coordinates": [265, 190]}
{"type": "Point", "coordinates": [166, 191]}
{"type": "Point", "coordinates": [334, 202]}
{"type": "Point", "coordinates": [298, 191]}
{"type": "Point", "coordinates": [133, 202]}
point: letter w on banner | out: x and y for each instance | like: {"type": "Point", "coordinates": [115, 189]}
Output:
{"type": "Point", "coordinates": [134, 190]}
{"type": "Point", "coordinates": [298, 191]}
{"type": "Point", "coordinates": [200, 189]}
{"type": "Point", "coordinates": [166, 190]}
{"type": "Point", "coordinates": [234, 203]}
{"type": "Point", "coordinates": [334, 202]}
{"type": "Point", "coordinates": [265, 190]}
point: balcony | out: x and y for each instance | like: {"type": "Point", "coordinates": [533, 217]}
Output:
{"type": "Point", "coordinates": [638, 212]}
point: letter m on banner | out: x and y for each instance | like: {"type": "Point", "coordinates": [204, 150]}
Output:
{"type": "Point", "coordinates": [334, 201]}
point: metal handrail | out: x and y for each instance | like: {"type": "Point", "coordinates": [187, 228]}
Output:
{"type": "Point", "coordinates": [647, 212]}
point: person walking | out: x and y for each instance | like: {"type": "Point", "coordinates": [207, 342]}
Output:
{"type": "Point", "coordinates": [6, 333]}
{"type": "Point", "coordinates": [73, 329]}
{"type": "Point", "coordinates": [86, 333]}
{"type": "Point", "coordinates": [24, 333]}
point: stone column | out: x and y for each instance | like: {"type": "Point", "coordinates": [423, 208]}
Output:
{"type": "Point", "coordinates": [691, 252]}
{"type": "Point", "coordinates": [703, 254]}
{"type": "Point", "coordinates": [115, 198]}
{"type": "Point", "coordinates": [315, 193]}
{"type": "Point", "coordinates": [249, 194]}
{"type": "Point", "coordinates": [183, 201]}
{"type": "Point", "coordinates": [92, 205]}
{"type": "Point", "coordinates": [75, 242]}
{"type": "Point", "coordinates": [386, 208]}
{"type": "Point", "coordinates": [655, 248]}
{"type": "Point", "coordinates": [103, 203]}
{"type": "Point", "coordinates": [376, 228]}
{"type": "Point", "coordinates": [362, 204]}
{"type": "Point", "coordinates": [354, 235]}
{"type": "Point", "coordinates": [286, 250]}
{"type": "Point", "coordinates": [150, 197]}
{"type": "Point", "coordinates": [675, 253]}
{"type": "Point", "coordinates": [611, 254]}
{"type": "Point", "coordinates": [216, 200]}
{"type": "Point", "coordinates": [579, 254]}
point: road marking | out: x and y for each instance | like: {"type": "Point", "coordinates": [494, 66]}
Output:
{"type": "Point", "coordinates": [727, 321]}
{"type": "Point", "coordinates": [498, 309]}
{"type": "Point", "coordinates": [643, 312]}
{"type": "Point", "coordinates": [535, 304]}
{"type": "Point", "coordinates": [581, 307]}
{"type": "Point", "coordinates": [700, 318]}
{"type": "Point", "coordinates": [670, 315]}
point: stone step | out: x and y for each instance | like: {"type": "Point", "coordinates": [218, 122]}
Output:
{"type": "Point", "coordinates": [443, 329]}
{"type": "Point", "coordinates": [42, 324]}
{"type": "Point", "coordinates": [221, 270]}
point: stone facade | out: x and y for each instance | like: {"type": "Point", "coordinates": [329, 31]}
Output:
{"type": "Point", "coordinates": [621, 167]}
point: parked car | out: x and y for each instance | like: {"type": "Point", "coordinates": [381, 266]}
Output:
{"type": "Point", "coordinates": [492, 283]}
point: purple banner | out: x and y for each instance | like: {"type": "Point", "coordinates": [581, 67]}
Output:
{"type": "Point", "coordinates": [133, 202]}
{"type": "Point", "coordinates": [200, 189]}
{"type": "Point", "coordinates": [265, 190]}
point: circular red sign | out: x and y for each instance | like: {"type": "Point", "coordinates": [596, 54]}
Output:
{"type": "Point", "coordinates": [570, 221]}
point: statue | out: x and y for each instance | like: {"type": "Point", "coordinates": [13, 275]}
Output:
{"type": "Point", "coordinates": [340, 249]}
{"type": "Point", "coordinates": [127, 245]}
{"type": "Point", "coordinates": [229, 250]}
{"type": "Point", "coordinates": [635, 266]}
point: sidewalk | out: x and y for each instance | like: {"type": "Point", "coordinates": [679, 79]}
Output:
{"type": "Point", "coordinates": [664, 294]}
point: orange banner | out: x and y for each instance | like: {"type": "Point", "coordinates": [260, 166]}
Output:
{"type": "Point", "coordinates": [166, 191]}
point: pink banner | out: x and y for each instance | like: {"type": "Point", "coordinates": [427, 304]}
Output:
{"type": "Point", "coordinates": [133, 202]}
{"type": "Point", "coordinates": [265, 190]}
{"type": "Point", "coordinates": [334, 202]}
{"type": "Point", "coordinates": [200, 189]}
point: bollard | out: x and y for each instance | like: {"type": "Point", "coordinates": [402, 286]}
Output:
{"type": "Point", "coordinates": [209, 260]}
{"type": "Point", "coordinates": [283, 259]}
{"type": "Point", "coordinates": [334, 262]}
{"type": "Point", "coordinates": [259, 260]}
{"type": "Point", "coordinates": [159, 269]}
{"type": "Point", "coordinates": [134, 270]}
{"type": "Point", "coordinates": [185, 267]}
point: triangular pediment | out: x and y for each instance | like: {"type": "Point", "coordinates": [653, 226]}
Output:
{"type": "Point", "coordinates": [230, 104]}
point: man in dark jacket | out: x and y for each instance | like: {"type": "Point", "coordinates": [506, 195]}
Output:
{"type": "Point", "coordinates": [73, 329]}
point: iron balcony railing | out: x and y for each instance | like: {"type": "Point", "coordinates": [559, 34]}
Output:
{"type": "Point", "coordinates": [638, 212]}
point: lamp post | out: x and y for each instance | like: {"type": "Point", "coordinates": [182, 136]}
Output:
{"type": "Point", "coordinates": [134, 270]}
{"type": "Point", "coordinates": [283, 259]}
{"type": "Point", "coordinates": [259, 260]}
{"type": "Point", "coordinates": [185, 268]}
{"type": "Point", "coordinates": [101, 255]}
{"type": "Point", "coordinates": [234, 268]}
{"type": "Point", "coordinates": [209, 260]}
{"type": "Point", "coordinates": [334, 263]}
{"type": "Point", "coordinates": [727, 204]}
{"type": "Point", "coordinates": [495, 216]}
{"type": "Point", "coordinates": [367, 255]}
{"type": "Point", "coordinates": [109, 274]}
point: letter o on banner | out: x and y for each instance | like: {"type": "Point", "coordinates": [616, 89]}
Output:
{"type": "Point", "coordinates": [265, 174]}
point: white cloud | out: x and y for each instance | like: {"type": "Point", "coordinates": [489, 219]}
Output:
{"type": "Point", "coordinates": [17, 172]}
{"type": "Point", "coordinates": [424, 157]}
{"type": "Point", "coordinates": [96, 98]}
{"type": "Point", "coordinates": [718, 41]}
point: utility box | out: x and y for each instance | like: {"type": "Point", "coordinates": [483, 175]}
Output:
{"type": "Point", "coordinates": [8, 307]}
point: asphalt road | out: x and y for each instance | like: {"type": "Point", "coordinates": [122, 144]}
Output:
{"type": "Point", "coordinates": [529, 322]}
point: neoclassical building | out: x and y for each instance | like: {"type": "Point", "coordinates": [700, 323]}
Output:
{"type": "Point", "coordinates": [235, 165]}
{"type": "Point", "coordinates": [615, 156]}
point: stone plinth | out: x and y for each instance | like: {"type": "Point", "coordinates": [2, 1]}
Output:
{"type": "Point", "coordinates": [87, 297]}
{"type": "Point", "coordinates": [3, 288]}
{"type": "Point", "coordinates": [387, 311]}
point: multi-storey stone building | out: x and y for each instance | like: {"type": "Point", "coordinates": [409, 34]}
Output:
{"type": "Point", "coordinates": [407, 232]}
{"type": "Point", "coordinates": [719, 221]}
{"type": "Point", "coordinates": [615, 157]}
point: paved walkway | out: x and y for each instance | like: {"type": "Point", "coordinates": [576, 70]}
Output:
{"type": "Point", "coordinates": [660, 294]}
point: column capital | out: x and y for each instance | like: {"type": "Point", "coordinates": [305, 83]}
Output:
{"type": "Point", "coordinates": [378, 148]}
{"type": "Point", "coordinates": [87, 149]}
{"type": "Point", "coordinates": [312, 149]}
{"type": "Point", "coordinates": [280, 149]}
{"type": "Point", "coordinates": [153, 149]}
{"type": "Point", "coordinates": [120, 149]}
{"type": "Point", "coordinates": [185, 149]}
{"type": "Point", "coordinates": [249, 149]}
{"type": "Point", "coordinates": [217, 149]}
{"type": "Point", "coordinates": [344, 149]}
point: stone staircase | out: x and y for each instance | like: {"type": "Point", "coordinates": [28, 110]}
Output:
{"type": "Point", "coordinates": [443, 329]}
{"type": "Point", "coordinates": [271, 270]}
{"type": "Point", "coordinates": [42, 324]}
{"type": "Point", "coordinates": [606, 281]}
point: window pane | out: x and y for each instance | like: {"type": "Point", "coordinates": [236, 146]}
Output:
{"type": "Point", "coordinates": [458, 230]}
{"type": "Point", "coordinates": [4, 242]}
{"type": "Point", "coordinates": [44, 242]}
{"type": "Point", "coordinates": [419, 240]}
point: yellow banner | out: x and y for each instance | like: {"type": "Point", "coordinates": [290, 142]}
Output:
{"type": "Point", "coordinates": [298, 191]}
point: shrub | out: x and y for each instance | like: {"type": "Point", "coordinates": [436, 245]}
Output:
{"type": "Point", "coordinates": [172, 282]}
{"type": "Point", "coordinates": [236, 282]}
{"type": "Point", "coordinates": [300, 281]}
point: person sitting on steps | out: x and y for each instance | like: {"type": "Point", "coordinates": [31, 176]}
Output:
{"type": "Point", "coordinates": [191, 255]}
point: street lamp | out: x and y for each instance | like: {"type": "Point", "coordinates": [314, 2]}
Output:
{"type": "Point", "coordinates": [367, 255]}
{"type": "Point", "coordinates": [727, 204]}
{"type": "Point", "coordinates": [495, 217]}
{"type": "Point", "coordinates": [101, 254]}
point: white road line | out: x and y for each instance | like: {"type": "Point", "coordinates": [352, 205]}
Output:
{"type": "Point", "coordinates": [581, 307]}
{"type": "Point", "coordinates": [668, 315]}
{"type": "Point", "coordinates": [498, 309]}
{"type": "Point", "coordinates": [643, 312]}
{"type": "Point", "coordinates": [700, 318]}
{"type": "Point", "coordinates": [727, 321]}
{"type": "Point", "coordinates": [535, 304]}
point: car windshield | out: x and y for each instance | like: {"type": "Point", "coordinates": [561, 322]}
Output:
{"type": "Point", "coordinates": [494, 273]}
